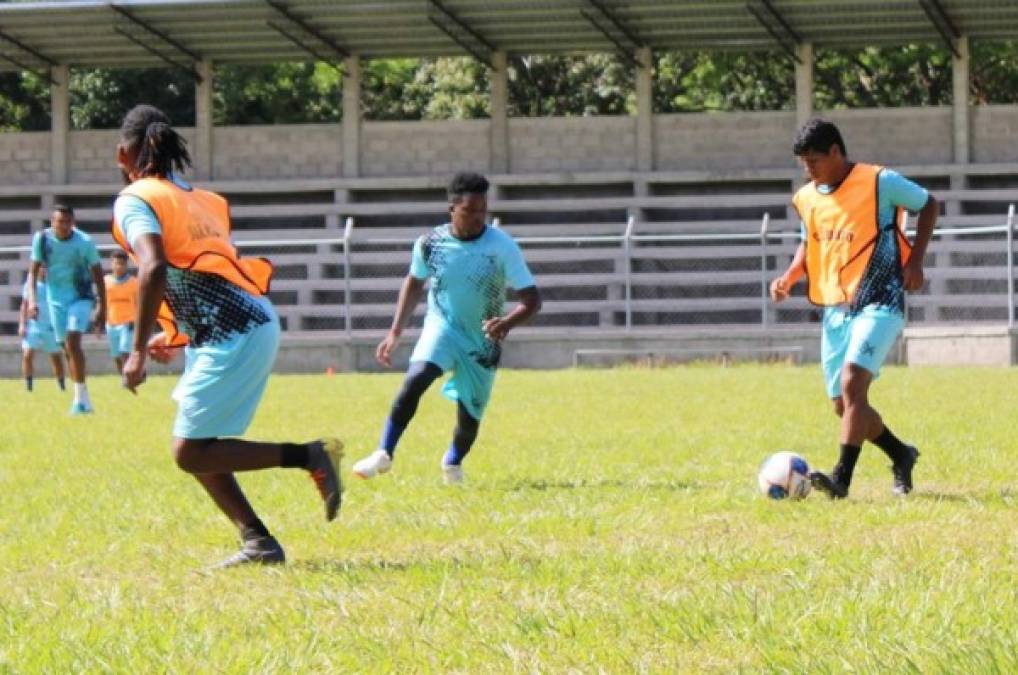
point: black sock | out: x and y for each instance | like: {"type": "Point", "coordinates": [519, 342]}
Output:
{"type": "Point", "coordinates": [846, 464]}
{"type": "Point", "coordinates": [60, 381]}
{"type": "Point", "coordinates": [294, 456]}
{"type": "Point", "coordinates": [892, 446]}
{"type": "Point", "coordinates": [28, 383]}
{"type": "Point", "coordinates": [255, 530]}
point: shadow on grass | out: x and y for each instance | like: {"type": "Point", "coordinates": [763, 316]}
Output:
{"type": "Point", "coordinates": [577, 484]}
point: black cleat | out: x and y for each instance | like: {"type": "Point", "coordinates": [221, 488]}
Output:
{"type": "Point", "coordinates": [903, 473]}
{"type": "Point", "coordinates": [325, 456]}
{"type": "Point", "coordinates": [260, 551]}
{"type": "Point", "coordinates": [834, 489]}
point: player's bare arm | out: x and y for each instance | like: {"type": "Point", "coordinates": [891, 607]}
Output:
{"type": "Point", "coordinates": [410, 293]}
{"type": "Point", "coordinates": [151, 258]}
{"type": "Point", "coordinates": [530, 304]}
{"type": "Point", "coordinates": [99, 314]}
{"type": "Point", "coordinates": [912, 274]}
{"type": "Point", "coordinates": [781, 286]}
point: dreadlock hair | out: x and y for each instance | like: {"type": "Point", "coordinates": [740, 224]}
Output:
{"type": "Point", "coordinates": [158, 149]}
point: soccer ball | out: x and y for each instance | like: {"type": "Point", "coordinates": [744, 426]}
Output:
{"type": "Point", "coordinates": [784, 475]}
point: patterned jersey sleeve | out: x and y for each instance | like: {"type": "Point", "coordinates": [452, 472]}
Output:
{"type": "Point", "coordinates": [516, 271]}
{"type": "Point", "coordinates": [418, 265]}
{"type": "Point", "coordinates": [38, 248]}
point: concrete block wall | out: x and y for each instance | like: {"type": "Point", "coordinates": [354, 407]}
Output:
{"type": "Point", "coordinates": [695, 141]}
{"type": "Point", "coordinates": [91, 155]}
{"type": "Point", "coordinates": [283, 151]}
{"type": "Point", "coordinates": [572, 144]}
{"type": "Point", "coordinates": [24, 158]}
{"type": "Point", "coordinates": [422, 148]}
{"type": "Point", "coordinates": [895, 135]}
{"type": "Point", "coordinates": [995, 133]}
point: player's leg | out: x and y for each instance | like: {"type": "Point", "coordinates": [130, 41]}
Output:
{"type": "Point", "coordinates": [78, 322]}
{"type": "Point", "coordinates": [419, 376]}
{"type": "Point", "coordinates": [56, 358]}
{"type": "Point", "coordinates": [874, 333]}
{"type": "Point", "coordinates": [27, 370]}
{"type": "Point", "coordinates": [463, 437]}
{"type": "Point", "coordinates": [118, 361]}
{"type": "Point", "coordinates": [833, 347]}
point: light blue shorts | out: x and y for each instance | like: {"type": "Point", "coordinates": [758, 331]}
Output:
{"type": "Point", "coordinates": [863, 339]}
{"type": "Point", "coordinates": [471, 380]}
{"type": "Point", "coordinates": [74, 316]}
{"type": "Point", "coordinates": [120, 338]}
{"type": "Point", "coordinates": [222, 384]}
{"type": "Point", "coordinates": [40, 339]}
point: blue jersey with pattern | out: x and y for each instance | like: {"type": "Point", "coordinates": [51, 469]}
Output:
{"type": "Point", "coordinates": [469, 279]}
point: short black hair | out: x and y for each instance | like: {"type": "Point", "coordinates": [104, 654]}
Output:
{"type": "Point", "coordinates": [64, 209]}
{"type": "Point", "coordinates": [467, 183]}
{"type": "Point", "coordinates": [818, 135]}
{"type": "Point", "coordinates": [119, 254]}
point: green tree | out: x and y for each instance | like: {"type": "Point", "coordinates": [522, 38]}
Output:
{"type": "Point", "coordinates": [885, 77]}
{"type": "Point", "coordinates": [995, 72]}
{"type": "Point", "coordinates": [101, 97]}
{"type": "Point", "coordinates": [597, 84]}
{"type": "Point", "coordinates": [278, 93]}
{"type": "Point", "coordinates": [724, 81]}
{"type": "Point", "coordinates": [24, 102]}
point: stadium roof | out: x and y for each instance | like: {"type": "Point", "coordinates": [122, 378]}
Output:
{"type": "Point", "coordinates": [134, 33]}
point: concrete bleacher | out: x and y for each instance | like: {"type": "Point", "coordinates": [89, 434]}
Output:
{"type": "Point", "coordinates": [695, 258]}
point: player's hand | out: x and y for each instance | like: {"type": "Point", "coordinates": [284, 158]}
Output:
{"type": "Point", "coordinates": [496, 329]}
{"type": "Point", "coordinates": [133, 373]}
{"type": "Point", "coordinates": [21, 331]}
{"type": "Point", "coordinates": [383, 353]}
{"type": "Point", "coordinates": [99, 320]}
{"type": "Point", "coordinates": [158, 350]}
{"type": "Point", "coordinates": [779, 289]}
{"type": "Point", "coordinates": [33, 310]}
{"type": "Point", "coordinates": [912, 275]}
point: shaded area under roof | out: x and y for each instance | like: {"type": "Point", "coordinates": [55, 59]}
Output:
{"type": "Point", "coordinates": [137, 33]}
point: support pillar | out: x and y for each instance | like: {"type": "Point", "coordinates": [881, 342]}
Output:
{"type": "Point", "coordinates": [645, 110]}
{"type": "Point", "coordinates": [804, 84]}
{"type": "Point", "coordinates": [352, 117]}
{"type": "Point", "coordinates": [499, 113]}
{"type": "Point", "coordinates": [60, 104]}
{"type": "Point", "coordinates": [203, 151]}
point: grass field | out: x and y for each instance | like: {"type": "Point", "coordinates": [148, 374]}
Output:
{"type": "Point", "coordinates": [611, 523]}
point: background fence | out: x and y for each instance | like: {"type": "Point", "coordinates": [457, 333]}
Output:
{"type": "Point", "coordinates": [627, 280]}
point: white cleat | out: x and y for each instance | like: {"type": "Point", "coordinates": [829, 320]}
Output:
{"type": "Point", "coordinates": [452, 473]}
{"type": "Point", "coordinates": [372, 465]}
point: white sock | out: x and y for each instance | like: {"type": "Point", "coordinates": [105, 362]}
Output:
{"type": "Point", "coordinates": [81, 393]}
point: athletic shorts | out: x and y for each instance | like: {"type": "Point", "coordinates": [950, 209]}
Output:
{"type": "Point", "coordinates": [40, 339]}
{"type": "Point", "coordinates": [74, 316]}
{"type": "Point", "coordinates": [863, 339]}
{"type": "Point", "coordinates": [222, 384]}
{"type": "Point", "coordinates": [471, 382]}
{"type": "Point", "coordinates": [120, 338]}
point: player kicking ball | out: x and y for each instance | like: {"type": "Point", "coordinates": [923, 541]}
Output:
{"type": "Point", "coordinates": [858, 265]}
{"type": "Point", "coordinates": [469, 265]}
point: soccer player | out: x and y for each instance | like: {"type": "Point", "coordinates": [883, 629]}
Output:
{"type": "Point", "coordinates": [73, 268]}
{"type": "Point", "coordinates": [122, 306]}
{"type": "Point", "coordinates": [37, 334]}
{"type": "Point", "coordinates": [858, 265]}
{"type": "Point", "coordinates": [206, 297]}
{"type": "Point", "coordinates": [469, 265]}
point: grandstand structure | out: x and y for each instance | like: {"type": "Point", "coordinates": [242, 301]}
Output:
{"type": "Point", "coordinates": [643, 222]}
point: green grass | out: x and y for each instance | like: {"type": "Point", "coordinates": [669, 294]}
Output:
{"type": "Point", "coordinates": [611, 522]}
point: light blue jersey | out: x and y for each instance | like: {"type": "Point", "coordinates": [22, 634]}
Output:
{"type": "Point", "coordinates": [42, 300]}
{"type": "Point", "coordinates": [68, 264]}
{"type": "Point", "coordinates": [39, 333]}
{"type": "Point", "coordinates": [468, 286]}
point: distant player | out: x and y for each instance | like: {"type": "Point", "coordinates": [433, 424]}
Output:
{"type": "Point", "coordinates": [206, 297]}
{"type": "Point", "coordinates": [858, 265]}
{"type": "Point", "coordinates": [73, 268]}
{"type": "Point", "coordinates": [122, 306]}
{"type": "Point", "coordinates": [37, 334]}
{"type": "Point", "coordinates": [469, 265]}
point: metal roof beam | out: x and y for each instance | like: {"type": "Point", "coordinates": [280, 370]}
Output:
{"type": "Point", "coordinates": [189, 69]}
{"type": "Point", "coordinates": [602, 15]}
{"type": "Point", "coordinates": [461, 32]}
{"type": "Point", "coordinates": [786, 38]}
{"type": "Point", "coordinates": [154, 31]}
{"type": "Point", "coordinates": [42, 74]}
{"type": "Point", "coordinates": [308, 29]}
{"type": "Point", "coordinates": [942, 22]}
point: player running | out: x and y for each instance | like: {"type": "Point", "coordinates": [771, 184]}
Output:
{"type": "Point", "coordinates": [122, 306]}
{"type": "Point", "coordinates": [37, 334]}
{"type": "Point", "coordinates": [469, 265]}
{"type": "Point", "coordinates": [213, 303]}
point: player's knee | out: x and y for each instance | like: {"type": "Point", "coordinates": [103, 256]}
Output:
{"type": "Point", "coordinates": [855, 384]}
{"type": "Point", "coordinates": [186, 456]}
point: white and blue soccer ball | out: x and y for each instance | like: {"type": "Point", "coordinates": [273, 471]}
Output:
{"type": "Point", "coordinates": [784, 475]}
